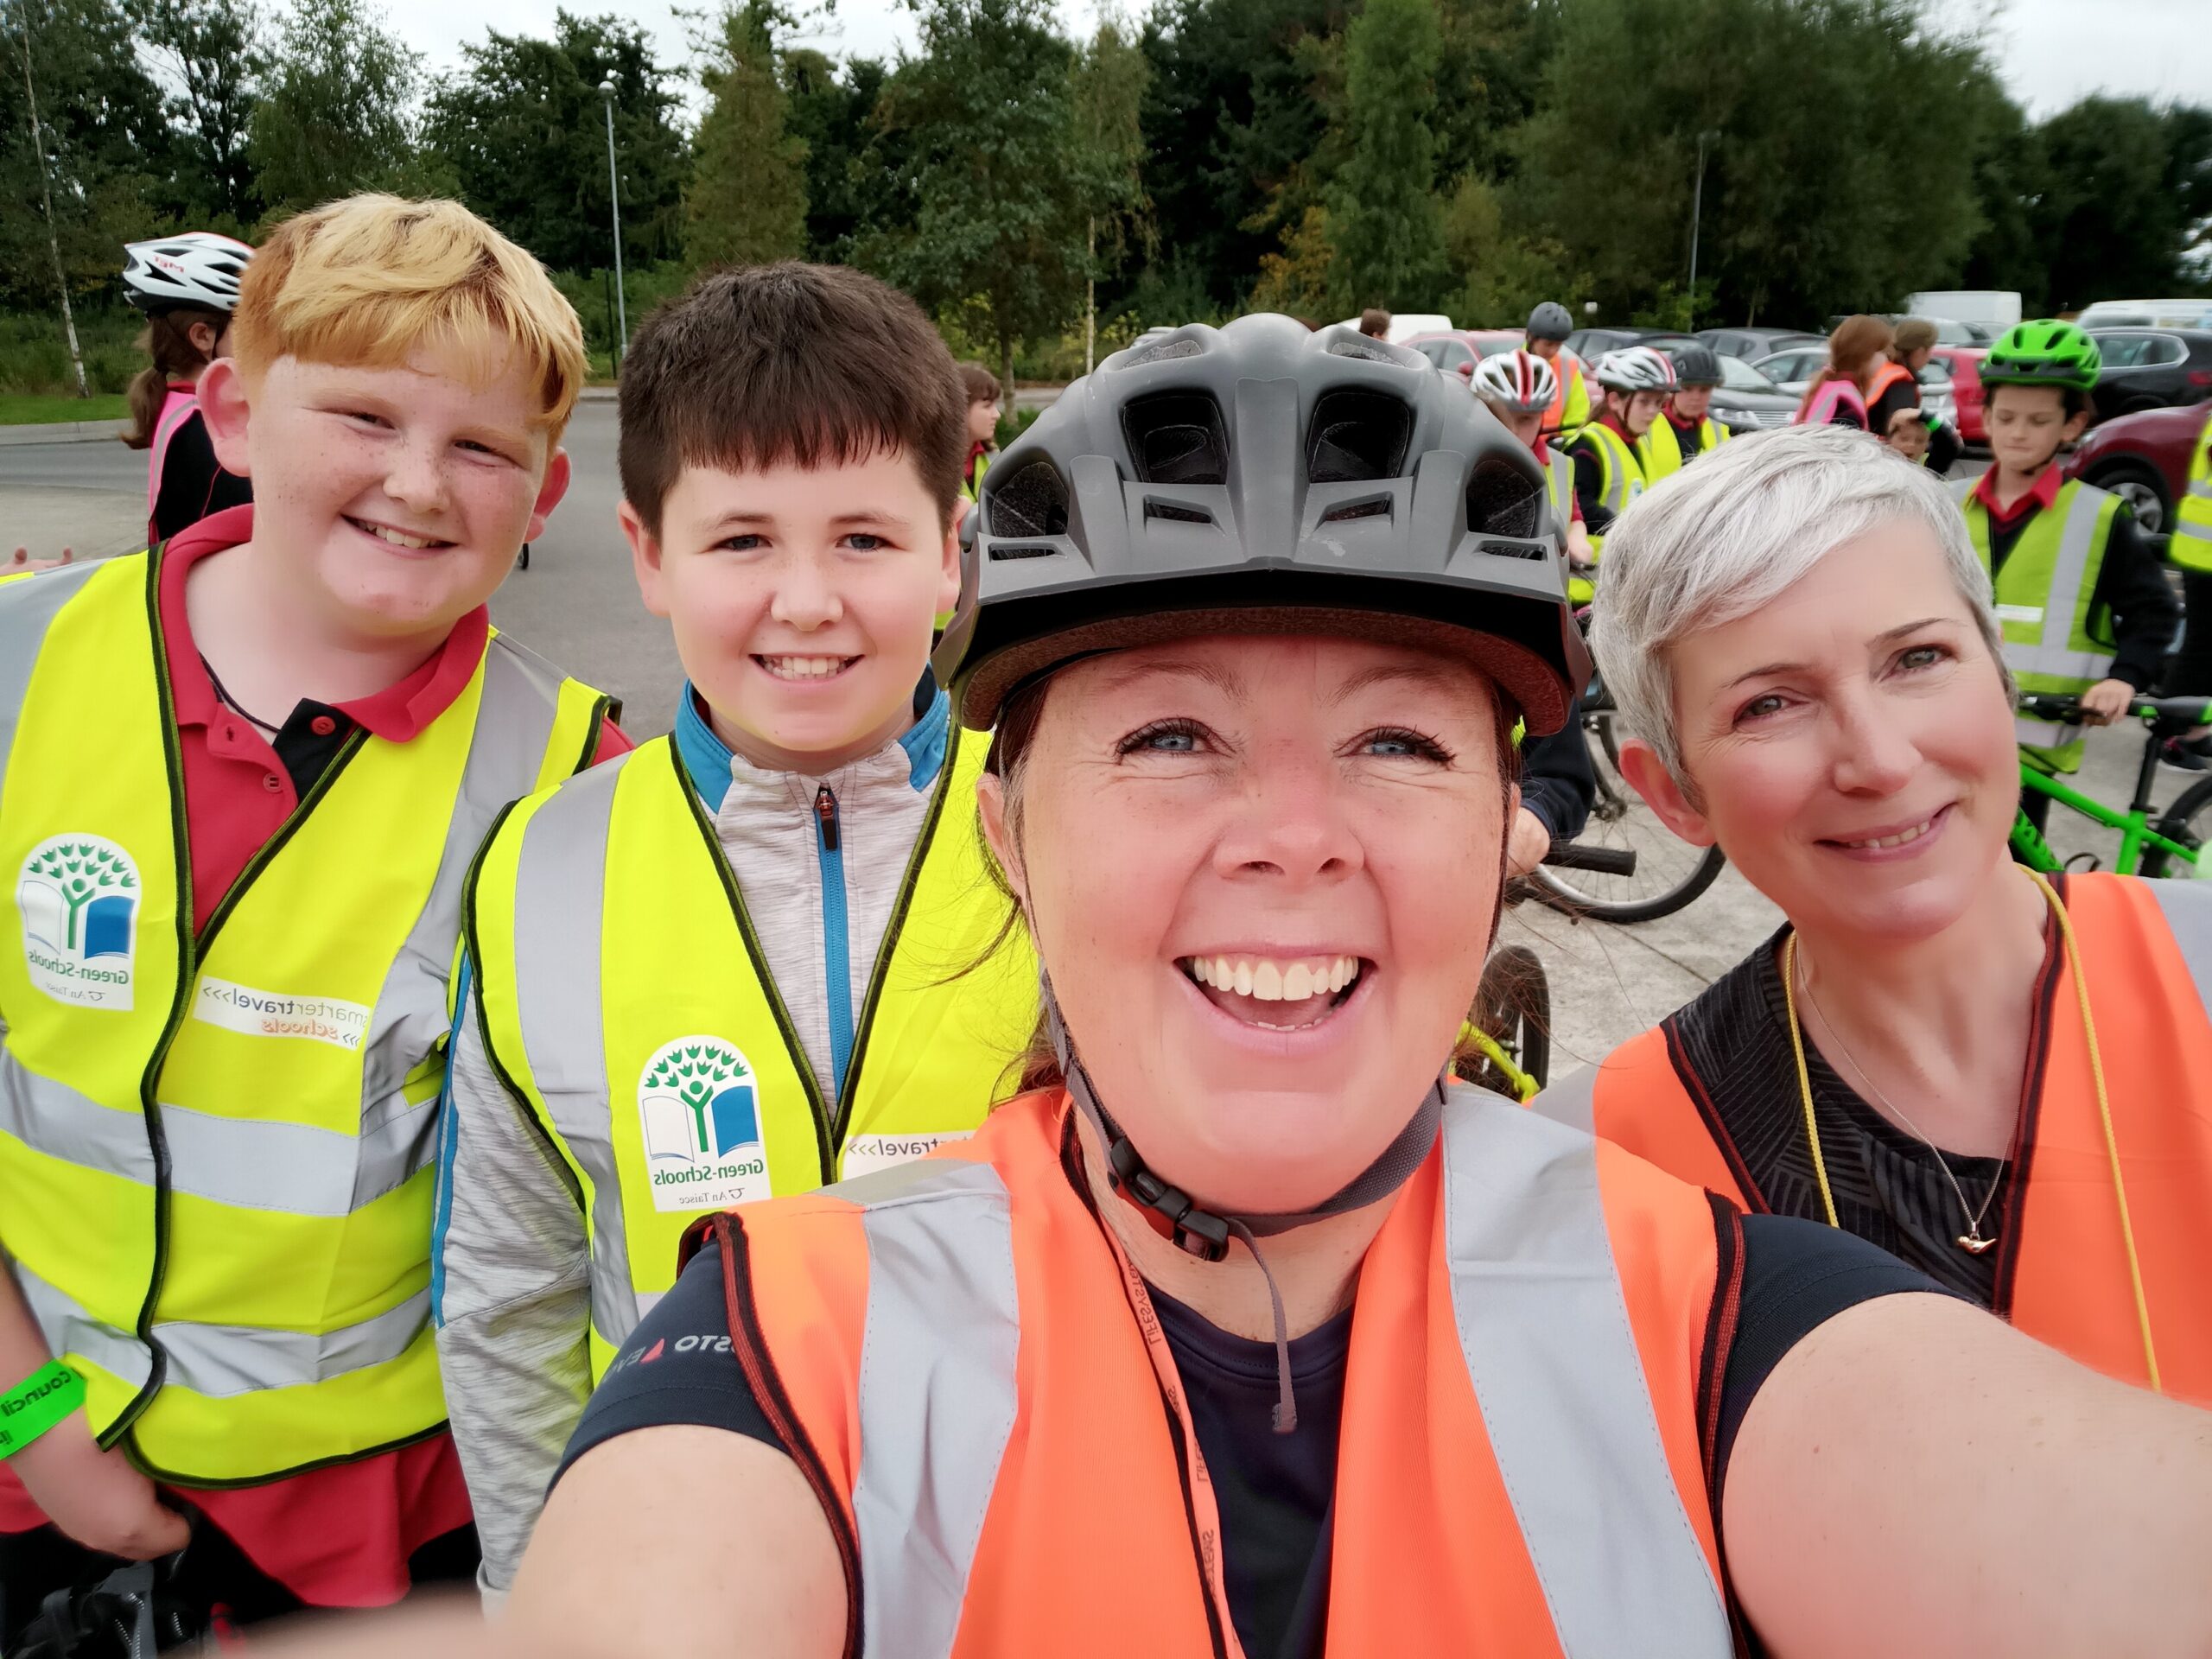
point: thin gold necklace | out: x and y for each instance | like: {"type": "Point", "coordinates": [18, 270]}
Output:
{"type": "Point", "coordinates": [2096, 1078]}
{"type": "Point", "coordinates": [1971, 1241]}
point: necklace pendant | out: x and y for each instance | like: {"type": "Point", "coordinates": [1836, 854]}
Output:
{"type": "Point", "coordinates": [1974, 1244]}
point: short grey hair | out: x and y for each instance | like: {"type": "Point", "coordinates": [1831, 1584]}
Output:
{"type": "Point", "coordinates": [1735, 531]}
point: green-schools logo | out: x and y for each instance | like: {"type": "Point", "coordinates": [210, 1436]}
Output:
{"type": "Point", "coordinates": [698, 1106]}
{"type": "Point", "coordinates": [79, 897]}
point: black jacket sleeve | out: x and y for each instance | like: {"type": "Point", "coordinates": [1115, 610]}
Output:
{"type": "Point", "coordinates": [193, 484]}
{"type": "Point", "coordinates": [1589, 483]}
{"type": "Point", "coordinates": [2135, 601]}
{"type": "Point", "coordinates": [1898, 394]}
{"type": "Point", "coordinates": [1556, 781]}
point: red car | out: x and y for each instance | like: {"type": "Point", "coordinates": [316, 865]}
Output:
{"type": "Point", "coordinates": [2144, 459]}
{"type": "Point", "coordinates": [1963, 365]}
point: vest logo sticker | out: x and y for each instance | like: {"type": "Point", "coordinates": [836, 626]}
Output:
{"type": "Point", "coordinates": [251, 1013]}
{"type": "Point", "coordinates": [79, 899]}
{"type": "Point", "coordinates": [699, 1107]}
{"type": "Point", "coordinates": [866, 1154]}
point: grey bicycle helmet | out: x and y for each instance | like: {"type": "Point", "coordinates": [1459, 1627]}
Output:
{"type": "Point", "coordinates": [1259, 479]}
{"type": "Point", "coordinates": [1696, 365]}
{"type": "Point", "coordinates": [1549, 322]}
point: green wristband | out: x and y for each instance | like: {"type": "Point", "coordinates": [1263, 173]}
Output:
{"type": "Point", "coordinates": [36, 1404]}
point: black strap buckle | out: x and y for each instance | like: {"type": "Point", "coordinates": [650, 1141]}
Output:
{"type": "Point", "coordinates": [1194, 1231]}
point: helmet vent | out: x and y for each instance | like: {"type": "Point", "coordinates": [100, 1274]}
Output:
{"type": "Point", "coordinates": [1358, 437]}
{"type": "Point", "coordinates": [1001, 550]}
{"type": "Point", "coordinates": [1379, 508]}
{"type": "Point", "coordinates": [1513, 549]}
{"type": "Point", "coordinates": [1177, 437]}
{"type": "Point", "coordinates": [1033, 502]}
{"type": "Point", "coordinates": [1502, 500]}
{"type": "Point", "coordinates": [1159, 351]}
{"type": "Point", "coordinates": [1343, 342]}
{"type": "Point", "coordinates": [1176, 514]}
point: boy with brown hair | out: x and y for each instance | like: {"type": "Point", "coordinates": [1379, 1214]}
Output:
{"type": "Point", "coordinates": [241, 778]}
{"type": "Point", "coordinates": [744, 960]}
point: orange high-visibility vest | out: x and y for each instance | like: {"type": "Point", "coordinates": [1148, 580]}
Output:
{"type": "Point", "coordinates": [2062, 1265]}
{"type": "Point", "coordinates": [1888, 374]}
{"type": "Point", "coordinates": [1519, 1471]}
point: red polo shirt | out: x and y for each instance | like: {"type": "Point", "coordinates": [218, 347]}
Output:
{"type": "Point", "coordinates": [338, 1536]}
{"type": "Point", "coordinates": [2040, 496]}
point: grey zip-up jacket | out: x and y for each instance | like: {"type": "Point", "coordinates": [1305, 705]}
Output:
{"type": "Point", "coordinates": [511, 1290]}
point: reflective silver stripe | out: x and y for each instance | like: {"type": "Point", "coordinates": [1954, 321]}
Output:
{"type": "Point", "coordinates": [1962, 489]}
{"type": "Point", "coordinates": [937, 1393]}
{"type": "Point", "coordinates": [28, 607]}
{"type": "Point", "coordinates": [2187, 907]}
{"type": "Point", "coordinates": [2201, 488]}
{"type": "Point", "coordinates": [2069, 572]}
{"type": "Point", "coordinates": [2190, 527]}
{"type": "Point", "coordinates": [559, 916]}
{"type": "Point", "coordinates": [1574, 1103]}
{"type": "Point", "coordinates": [514, 722]}
{"type": "Point", "coordinates": [2062, 661]}
{"type": "Point", "coordinates": [1545, 1332]}
{"type": "Point", "coordinates": [68, 1329]}
{"type": "Point", "coordinates": [2044, 733]}
{"type": "Point", "coordinates": [49, 1117]}
{"type": "Point", "coordinates": [225, 1360]}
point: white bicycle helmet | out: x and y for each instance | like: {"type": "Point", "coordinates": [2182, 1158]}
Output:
{"type": "Point", "coordinates": [198, 268]}
{"type": "Point", "coordinates": [1636, 368]}
{"type": "Point", "coordinates": [1520, 382]}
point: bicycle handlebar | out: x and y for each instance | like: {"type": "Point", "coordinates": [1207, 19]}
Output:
{"type": "Point", "coordinates": [2173, 711]}
{"type": "Point", "coordinates": [1604, 860]}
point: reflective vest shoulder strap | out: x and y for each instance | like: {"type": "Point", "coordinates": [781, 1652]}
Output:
{"type": "Point", "coordinates": [1538, 1298]}
{"type": "Point", "coordinates": [28, 607]}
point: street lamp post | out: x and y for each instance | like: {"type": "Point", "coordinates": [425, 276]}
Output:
{"type": "Point", "coordinates": [615, 200]}
{"type": "Point", "coordinates": [1697, 209]}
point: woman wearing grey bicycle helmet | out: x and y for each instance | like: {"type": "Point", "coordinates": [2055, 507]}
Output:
{"type": "Point", "coordinates": [2005, 1080]}
{"type": "Point", "coordinates": [1246, 1331]}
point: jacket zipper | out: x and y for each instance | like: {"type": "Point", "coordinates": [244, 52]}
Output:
{"type": "Point", "coordinates": [836, 938]}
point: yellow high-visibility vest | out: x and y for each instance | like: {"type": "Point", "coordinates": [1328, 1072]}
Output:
{"type": "Point", "coordinates": [216, 1149]}
{"type": "Point", "coordinates": [630, 1009]}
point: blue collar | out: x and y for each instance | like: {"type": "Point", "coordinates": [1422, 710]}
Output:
{"type": "Point", "coordinates": [707, 759]}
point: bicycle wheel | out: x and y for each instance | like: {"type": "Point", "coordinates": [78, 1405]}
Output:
{"type": "Point", "coordinates": [1669, 871]}
{"type": "Point", "coordinates": [1513, 1005]}
{"type": "Point", "coordinates": [2188, 820]}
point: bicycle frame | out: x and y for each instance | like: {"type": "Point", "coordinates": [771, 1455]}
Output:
{"type": "Point", "coordinates": [2135, 824]}
{"type": "Point", "coordinates": [1523, 1085]}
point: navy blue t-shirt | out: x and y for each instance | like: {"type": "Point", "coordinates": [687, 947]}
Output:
{"type": "Point", "coordinates": [1274, 1490]}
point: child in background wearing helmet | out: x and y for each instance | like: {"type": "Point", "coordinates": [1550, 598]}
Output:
{"type": "Point", "coordinates": [1545, 337]}
{"type": "Point", "coordinates": [1685, 431]}
{"type": "Point", "coordinates": [186, 285]}
{"type": "Point", "coordinates": [2040, 376]}
{"type": "Point", "coordinates": [1907, 435]}
{"type": "Point", "coordinates": [1609, 467]}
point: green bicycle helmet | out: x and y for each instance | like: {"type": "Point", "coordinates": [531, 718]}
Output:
{"type": "Point", "coordinates": [2046, 352]}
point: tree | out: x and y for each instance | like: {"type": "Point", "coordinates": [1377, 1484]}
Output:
{"type": "Point", "coordinates": [997, 183]}
{"type": "Point", "coordinates": [2126, 186]}
{"type": "Point", "coordinates": [1108, 93]}
{"type": "Point", "coordinates": [212, 51]}
{"type": "Point", "coordinates": [1384, 220]}
{"type": "Point", "coordinates": [853, 164]}
{"type": "Point", "coordinates": [1852, 188]}
{"type": "Point", "coordinates": [103, 147]}
{"type": "Point", "coordinates": [1238, 103]}
{"type": "Point", "coordinates": [746, 200]}
{"type": "Point", "coordinates": [523, 129]}
{"type": "Point", "coordinates": [336, 114]}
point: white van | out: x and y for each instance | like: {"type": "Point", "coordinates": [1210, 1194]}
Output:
{"type": "Point", "coordinates": [1995, 310]}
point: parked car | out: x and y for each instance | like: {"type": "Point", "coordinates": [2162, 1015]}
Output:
{"type": "Point", "coordinates": [2143, 459]}
{"type": "Point", "coordinates": [1591, 343]}
{"type": "Point", "coordinates": [1752, 344]}
{"type": "Point", "coordinates": [1792, 368]}
{"type": "Point", "coordinates": [1746, 401]}
{"type": "Point", "coordinates": [1457, 350]}
{"type": "Point", "coordinates": [1963, 365]}
{"type": "Point", "coordinates": [2147, 313]}
{"type": "Point", "coordinates": [2151, 368]}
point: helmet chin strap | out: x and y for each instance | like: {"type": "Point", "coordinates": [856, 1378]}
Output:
{"type": "Point", "coordinates": [1205, 1233]}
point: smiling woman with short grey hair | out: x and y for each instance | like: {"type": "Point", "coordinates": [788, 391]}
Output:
{"type": "Point", "coordinates": [2003, 1081]}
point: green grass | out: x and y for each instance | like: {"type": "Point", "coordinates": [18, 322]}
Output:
{"type": "Point", "coordinates": [42, 409]}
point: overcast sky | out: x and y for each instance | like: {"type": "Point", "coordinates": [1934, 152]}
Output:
{"type": "Point", "coordinates": [2051, 52]}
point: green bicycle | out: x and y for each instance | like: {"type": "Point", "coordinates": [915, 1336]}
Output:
{"type": "Point", "coordinates": [2152, 842]}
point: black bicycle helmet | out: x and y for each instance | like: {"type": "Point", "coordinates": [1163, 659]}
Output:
{"type": "Point", "coordinates": [1696, 365]}
{"type": "Point", "coordinates": [1549, 322]}
{"type": "Point", "coordinates": [1259, 479]}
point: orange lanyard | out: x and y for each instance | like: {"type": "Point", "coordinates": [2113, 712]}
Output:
{"type": "Point", "coordinates": [1198, 1487]}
